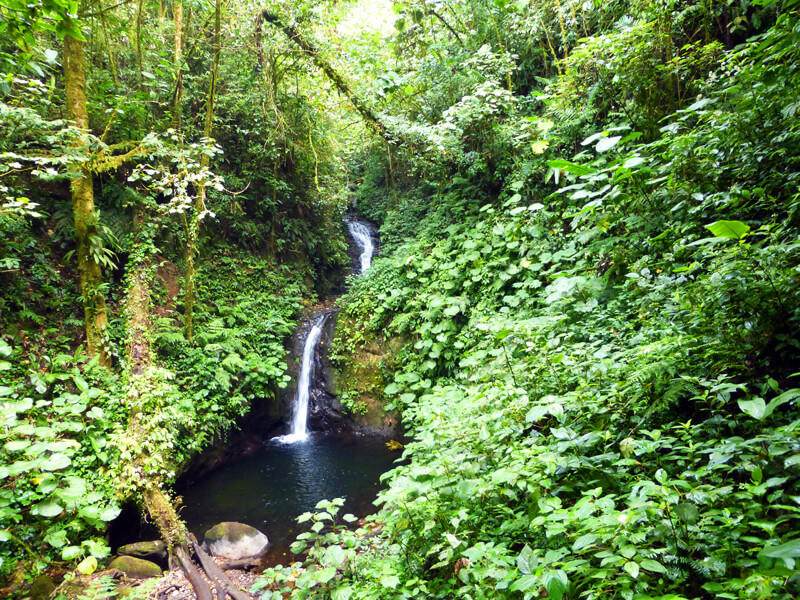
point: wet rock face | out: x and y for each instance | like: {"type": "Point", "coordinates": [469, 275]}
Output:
{"type": "Point", "coordinates": [235, 541]}
{"type": "Point", "coordinates": [135, 568]}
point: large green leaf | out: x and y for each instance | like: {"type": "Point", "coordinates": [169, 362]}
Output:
{"type": "Point", "coordinates": [607, 143]}
{"type": "Point", "coordinates": [48, 509]}
{"type": "Point", "coordinates": [570, 167]}
{"type": "Point", "coordinates": [732, 230]}
{"type": "Point", "coordinates": [790, 549]}
{"type": "Point", "coordinates": [56, 462]}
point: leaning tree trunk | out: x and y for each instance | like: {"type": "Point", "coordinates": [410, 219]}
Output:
{"type": "Point", "coordinates": [91, 276]}
{"type": "Point", "coordinates": [338, 80]}
{"type": "Point", "coordinates": [149, 487]}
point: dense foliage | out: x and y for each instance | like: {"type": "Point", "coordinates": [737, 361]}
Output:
{"type": "Point", "coordinates": [212, 184]}
{"type": "Point", "coordinates": [587, 296]}
{"type": "Point", "coordinates": [594, 262]}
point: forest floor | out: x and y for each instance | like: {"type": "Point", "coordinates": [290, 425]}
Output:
{"type": "Point", "coordinates": [173, 585]}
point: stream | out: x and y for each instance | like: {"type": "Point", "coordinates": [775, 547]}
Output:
{"type": "Point", "coordinates": [288, 474]}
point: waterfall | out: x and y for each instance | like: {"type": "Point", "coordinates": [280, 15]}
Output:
{"type": "Point", "coordinates": [299, 431]}
{"type": "Point", "coordinates": [361, 235]}
{"type": "Point", "coordinates": [299, 426]}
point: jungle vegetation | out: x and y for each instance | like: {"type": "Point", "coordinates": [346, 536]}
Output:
{"type": "Point", "coordinates": [590, 263]}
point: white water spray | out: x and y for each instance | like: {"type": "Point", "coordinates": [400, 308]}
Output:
{"type": "Point", "coordinates": [300, 418]}
{"type": "Point", "coordinates": [361, 235]}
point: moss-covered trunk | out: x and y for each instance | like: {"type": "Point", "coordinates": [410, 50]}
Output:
{"type": "Point", "coordinates": [147, 468]}
{"type": "Point", "coordinates": [85, 217]}
{"type": "Point", "coordinates": [193, 229]}
{"type": "Point", "coordinates": [177, 13]}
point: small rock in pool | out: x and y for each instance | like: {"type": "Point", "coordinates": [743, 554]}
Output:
{"type": "Point", "coordinates": [235, 541]}
{"type": "Point", "coordinates": [135, 568]}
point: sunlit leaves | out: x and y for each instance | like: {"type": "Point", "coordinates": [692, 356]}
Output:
{"type": "Point", "coordinates": [732, 230]}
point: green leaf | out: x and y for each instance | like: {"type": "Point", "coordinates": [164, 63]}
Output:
{"type": "Point", "coordinates": [732, 230]}
{"type": "Point", "coordinates": [526, 561]}
{"type": "Point", "coordinates": [70, 552]}
{"type": "Point", "coordinates": [48, 509]}
{"type": "Point", "coordinates": [342, 593]}
{"type": "Point", "coordinates": [57, 539]}
{"type": "Point", "coordinates": [525, 583]}
{"type": "Point", "coordinates": [687, 512]}
{"type": "Point", "coordinates": [333, 556]}
{"type": "Point", "coordinates": [570, 167]}
{"type": "Point", "coordinates": [607, 143]}
{"type": "Point", "coordinates": [110, 513]}
{"type": "Point", "coordinates": [56, 462]}
{"type": "Point", "coordinates": [87, 566]}
{"type": "Point", "coordinates": [584, 541]}
{"type": "Point", "coordinates": [790, 549]}
{"type": "Point", "coordinates": [390, 581]}
{"type": "Point", "coordinates": [555, 582]}
{"type": "Point", "coordinates": [16, 445]}
{"type": "Point", "coordinates": [756, 407]}
{"type": "Point", "coordinates": [325, 575]}
{"type": "Point", "coordinates": [632, 568]}
{"type": "Point", "coordinates": [648, 564]}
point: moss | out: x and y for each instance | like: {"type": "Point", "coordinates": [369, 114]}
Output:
{"type": "Point", "coordinates": [135, 568]}
{"type": "Point", "coordinates": [144, 549]}
{"type": "Point", "coordinates": [230, 530]}
{"type": "Point", "coordinates": [360, 364]}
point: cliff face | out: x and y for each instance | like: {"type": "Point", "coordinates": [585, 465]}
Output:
{"type": "Point", "coordinates": [356, 369]}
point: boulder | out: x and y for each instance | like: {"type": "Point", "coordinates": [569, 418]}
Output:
{"type": "Point", "coordinates": [42, 587]}
{"type": "Point", "coordinates": [155, 550]}
{"type": "Point", "coordinates": [235, 541]}
{"type": "Point", "coordinates": [135, 568]}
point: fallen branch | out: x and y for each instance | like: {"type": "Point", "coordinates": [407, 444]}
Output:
{"type": "Point", "coordinates": [217, 575]}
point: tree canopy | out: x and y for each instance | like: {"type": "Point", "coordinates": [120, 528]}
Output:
{"type": "Point", "coordinates": [588, 279]}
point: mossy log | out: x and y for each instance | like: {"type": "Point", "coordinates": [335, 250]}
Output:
{"type": "Point", "coordinates": [310, 48]}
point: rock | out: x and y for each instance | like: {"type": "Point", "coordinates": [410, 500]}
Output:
{"type": "Point", "coordinates": [42, 587]}
{"type": "Point", "coordinates": [235, 541]}
{"type": "Point", "coordinates": [149, 550]}
{"type": "Point", "coordinates": [135, 568]}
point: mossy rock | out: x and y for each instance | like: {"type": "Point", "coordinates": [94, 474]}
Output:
{"type": "Point", "coordinates": [235, 540]}
{"type": "Point", "coordinates": [154, 549]}
{"type": "Point", "coordinates": [135, 568]}
{"type": "Point", "coordinates": [41, 588]}
{"type": "Point", "coordinates": [359, 376]}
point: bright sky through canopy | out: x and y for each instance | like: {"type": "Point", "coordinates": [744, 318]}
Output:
{"type": "Point", "coordinates": [368, 16]}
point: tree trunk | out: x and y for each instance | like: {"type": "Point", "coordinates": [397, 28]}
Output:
{"type": "Point", "coordinates": [193, 229]}
{"type": "Point", "coordinates": [139, 57]}
{"type": "Point", "coordinates": [91, 276]}
{"type": "Point", "coordinates": [177, 13]}
{"type": "Point", "coordinates": [180, 543]}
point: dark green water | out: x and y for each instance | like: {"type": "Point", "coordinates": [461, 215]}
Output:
{"type": "Point", "coordinates": [270, 488]}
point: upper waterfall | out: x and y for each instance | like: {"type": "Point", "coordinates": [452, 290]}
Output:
{"type": "Point", "coordinates": [363, 238]}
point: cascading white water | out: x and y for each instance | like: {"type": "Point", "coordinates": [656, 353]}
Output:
{"type": "Point", "coordinates": [299, 431]}
{"type": "Point", "coordinates": [361, 235]}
